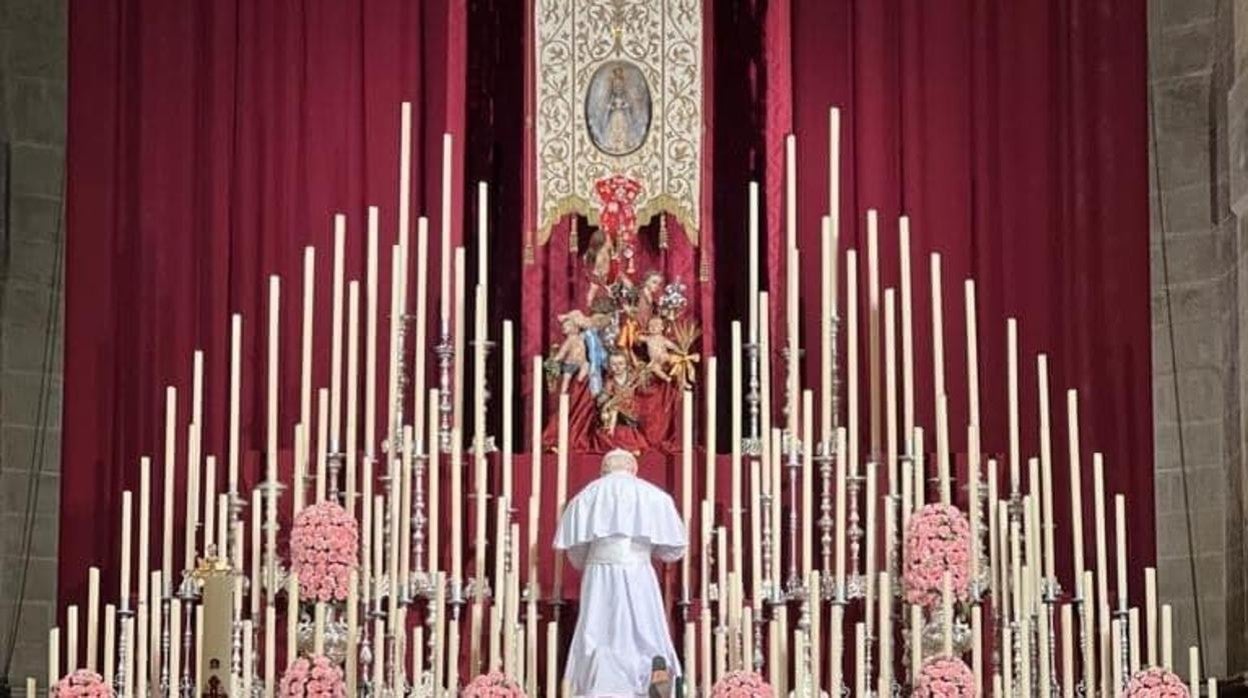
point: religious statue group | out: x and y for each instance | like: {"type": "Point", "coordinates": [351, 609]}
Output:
{"type": "Point", "coordinates": [626, 355]}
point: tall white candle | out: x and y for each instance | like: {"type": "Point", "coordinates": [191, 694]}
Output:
{"type": "Point", "coordinates": [54, 656]}
{"type": "Point", "coordinates": [351, 397]}
{"type": "Point", "coordinates": [1120, 543]}
{"type": "Point", "coordinates": [370, 341]}
{"type": "Point", "coordinates": [309, 297]}
{"type": "Point", "coordinates": [1046, 469]}
{"type": "Point", "coordinates": [444, 250]}
{"type": "Point", "coordinates": [712, 366]}
{"type": "Point", "coordinates": [686, 490]}
{"type": "Point", "coordinates": [509, 358]}
{"type": "Point", "coordinates": [271, 449]}
{"type": "Point", "coordinates": [420, 343]}
{"type": "Point", "coordinates": [1098, 504]}
{"type": "Point", "coordinates": [808, 485]}
{"type": "Point", "coordinates": [873, 334]}
{"type": "Point", "coordinates": [322, 445]}
{"type": "Point", "coordinates": [1167, 637]}
{"type": "Point", "coordinates": [827, 315]}
{"type": "Point", "coordinates": [907, 335]}
{"type": "Point", "coordinates": [192, 497]}
{"type": "Point", "coordinates": [735, 437]}
{"type": "Point", "coordinates": [536, 419]}
{"type": "Point", "coordinates": [851, 352]}
{"type": "Point", "coordinates": [457, 509]}
{"type": "Point", "coordinates": [434, 539]}
{"type": "Point", "coordinates": [337, 290]}
{"type": "Point", "coordinates": [752, 286]}
{"type": "Point", "coordinates": [1011, 334]}
{"type": "Point", "coordinates": [1150, 614]}
{"type": "Point", "coordinates": [1076, 487]}
{"type": "Point", "coordinates": [793, 370]}
{"type": "Point", "coordinates": [110, 639]}
{"type": "Point", "coordinates": [170, 471]}
{"type": "Point", "coordinates": [127, 506]}
{"type": "Point", "coordinates": [93, 617]}
{"type": "Point", "coordinates": [145, 525]}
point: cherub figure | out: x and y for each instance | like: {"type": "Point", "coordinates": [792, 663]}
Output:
{"type": "Point", "coordinates": [573, 356]}
{"type": "Point", "coordinates": [648, 297]}
{"type": "Point", "coordinates": [617, 402]}
{"type": "Point", "coordinates": [660, 349]}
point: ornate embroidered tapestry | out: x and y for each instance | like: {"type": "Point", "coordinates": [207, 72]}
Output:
{"type": "Point", "coordinates": [618, 92]}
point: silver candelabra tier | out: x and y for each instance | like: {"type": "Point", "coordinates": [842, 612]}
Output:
{"type": "Point", "coordinates": [855, 581]}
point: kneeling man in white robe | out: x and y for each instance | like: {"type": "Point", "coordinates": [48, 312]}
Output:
{"type": "Point", "coordinates": [611, 530]}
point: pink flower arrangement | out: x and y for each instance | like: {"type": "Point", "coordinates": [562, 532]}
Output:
{"type": "Point", "coordinates": [945, 677]}
{"type": "Point", "coordinates": [495, 684]}
{"type": "Point", "coordinates": [83, 682]}
{"type": "Point", "coordinates": [324, 545]}
{"type": "Point", "coordinates": [1156, 682]}
{"type": "Point", "coordinates": [315, 678]}
{"type": "Point", "coordinates": [938, 540]}
{"type": "Point", "coordinates": [741, 684]}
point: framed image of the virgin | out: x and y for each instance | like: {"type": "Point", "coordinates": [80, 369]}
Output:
{"type": "Point", "coordinates": [617, 108]}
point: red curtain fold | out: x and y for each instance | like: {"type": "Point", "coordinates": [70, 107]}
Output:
{"type": "Point", "coordinates": [208, 144]}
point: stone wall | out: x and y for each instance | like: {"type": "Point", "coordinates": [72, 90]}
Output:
{"type": "Point", "coordinates": [32, 138]}
{"type": "Point", "coordinates": [1200, 343]}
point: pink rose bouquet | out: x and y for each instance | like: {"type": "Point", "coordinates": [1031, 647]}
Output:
{"type": "Point", "coordinates": [741, 684]}
{"type": "Point", "coordinates": [324, 545]}
{"type": "Point", "coordinates": [495, 684]}
{"type": "Point", "coordinates": [1156, 682]}
{"type": "Point", "coordinates": [85, 683]}
{"type": "Point", "coordinates": [938, 540]}
{"type": "Point", "coordinates": [315, 678]}
{"type": "Point", "coordinates": [945, 677]}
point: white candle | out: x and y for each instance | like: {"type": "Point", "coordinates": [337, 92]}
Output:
{"type": "Point", "coordinates": [271, 448]}
{"type": "Point", "coordinates": [1011, 333]}
{"type": "Point", "coordinates": [420, 343]}
{"type": "Point", "coordinates": [444, 248]}
{"type": "Point", "coordinates": [126, 539]}
{"type": "Point", "coordinates": [827, 313]}
{"type": "Point", "coordinates": [352, 394]}
{"type": "Point", "coordinates": [54, 656]}
{"type": "Point", "coordinates": [370, 343]}
{"type": "Point", "coordinates": [871, 536]}
{"type": "Point", "coordinates": [1068, 652]}
{"type": "Point", "coordinates": [236, 343]}
{"type": "Point", "coordinates": [712, 366]}
{"type": "Point", "coordinates": [972, 496]}
{"type": "Point", "coordinates": [309, 297]}
{"type": "Point", "coordinates": [434, 539]}
{"type": "Point", "coordinates": [885, 643]}
{"type": "Point", "coordinates": [890, 391]}
{"type": "Point", "coordinates": [552, 657]}
{"type": "Point", "coordinates": [860, 659]}
{"type": "Point", "coordinates": [942, 450]}
{"type": "Point", "coordinates": [1120, 542]}
{"type": "Point", "coordinates": [794, 337]}
{"type": "Point", "coordinates": [170, 469]}
{"type": "Point", "coordinates": [735, 436]}
{"type": "Point", "coordinates": [938, 337]}
{"type": "Point", "coordinates": [192, 497]}
{"type": "Point", "coordinates": [210, 504]}
{"type": "Point", "coordinates": [145, 526]}
{"type": "Point", "coordinates": [509, 359]}
{"type": "Point", "coordinates": [753, 262]}
{"type": "Point", "coordinates": [71, 639]}
{"type": "Point", "coordinates": [1167, 635]}
{"type": "Point", "coordinates": [93, 617]}
{"type": "Point", "coordinates": [336, 320]}
{"type": "Point", "coordinates": [1072, 430]}
{"type": "Point", "coordinates": [1046, 469]}
{"type": "Point", "coordinates": [851, 351]}
{"type": "Point", "coordinates": [561, 483]}
{"type": "Point", "coordinates": [1150, 614]}
{"type": "Point", "coordinates": [1193, 667]}
{"type": "Point", "coordinates": [1102, 555]}
{"type": "Point", "coordinates": [686, 492]}
{"type": "Point", "coordinates": [110, 640]}
{"type": "Point", "coordinates": [907, 335]}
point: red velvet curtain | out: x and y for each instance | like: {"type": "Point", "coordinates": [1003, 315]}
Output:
{"type": "Point", "coordinates": [209, 142]}
{"type": "Point", "coordinates": [1014, 136]}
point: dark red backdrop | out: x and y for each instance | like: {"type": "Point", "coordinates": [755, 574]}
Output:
{"type": "Point", "coordinates": [210, 142]}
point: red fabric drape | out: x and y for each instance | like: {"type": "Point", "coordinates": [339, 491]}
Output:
{"type": "Point", "coordinates": [208, 144]}
{"type": "Point", "coordinates": [1014, 136]}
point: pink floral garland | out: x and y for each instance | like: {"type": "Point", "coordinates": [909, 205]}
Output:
{"type": "Point", "coordinates": [495, 684]}
{"type": "Point", "coordinates": [945, 677]}
{"type": "Point", "coordinates": [324, 545]}
{"type": "Point", "coordinates": [1156, 682]}
{"type": "Point", "coordinates": [938, 540]}
{"type": "Point", "coordinates": [741, 684]}
{"type": "Point", "coordinates": [83, 682]}
{"type": "Point", "coordinates": [318, 678]}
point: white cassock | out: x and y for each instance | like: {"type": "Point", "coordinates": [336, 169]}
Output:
{"type": "Point", "coordinates": [610, 530]}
